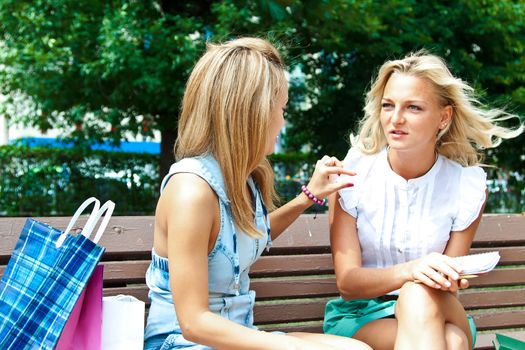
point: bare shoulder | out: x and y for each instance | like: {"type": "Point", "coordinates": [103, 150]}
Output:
{"type": "Point", "coordinates": [187, 195]}
{"type": "Point", "coordinates": [189, 190]}
{"type": "Point", "coordinates": [187, 204]}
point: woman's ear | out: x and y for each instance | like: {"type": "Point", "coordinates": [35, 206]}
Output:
{"type": "Point", "coordinates": [446, 117]}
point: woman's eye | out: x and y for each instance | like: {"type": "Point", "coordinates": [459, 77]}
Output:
{"type": "Point", "coordinates": [414, 108]}
{"type": "Point", "coordinates": [386, 105]}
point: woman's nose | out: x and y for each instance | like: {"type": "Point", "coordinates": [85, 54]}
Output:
{"type": "Point", "coordinates": [397, 116]}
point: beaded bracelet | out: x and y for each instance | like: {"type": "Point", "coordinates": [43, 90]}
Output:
{"type": "Point", "coordinates": [312, 197]}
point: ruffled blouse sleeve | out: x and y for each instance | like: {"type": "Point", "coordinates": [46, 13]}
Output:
{"type": "Point", "coordinates": [472, 196]}
{"type": "Point", "coordinates": [349, 197]}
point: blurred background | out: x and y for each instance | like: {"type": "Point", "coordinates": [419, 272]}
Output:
{"type": "Point", "coordinates": [90, 90]}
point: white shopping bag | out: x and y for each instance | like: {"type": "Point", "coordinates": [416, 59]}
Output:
{"type": "Point", "coordinates": [122, 323]}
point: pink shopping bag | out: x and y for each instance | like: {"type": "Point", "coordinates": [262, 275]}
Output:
{"type": "Point", "coordinates": [84, 326]}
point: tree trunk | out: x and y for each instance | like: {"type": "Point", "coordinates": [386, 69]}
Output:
{"type": "Point", "coordinates": [167, 157]}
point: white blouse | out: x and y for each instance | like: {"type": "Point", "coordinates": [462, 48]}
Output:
{"type": "Point", "coordinates": [399, 220]}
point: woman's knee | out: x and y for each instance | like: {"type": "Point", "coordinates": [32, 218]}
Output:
{"type": "Point", "coordinates": [418, 302]}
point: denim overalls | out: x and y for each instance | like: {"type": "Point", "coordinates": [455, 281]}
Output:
{"type": "Point", "coordinates": [228, 266]}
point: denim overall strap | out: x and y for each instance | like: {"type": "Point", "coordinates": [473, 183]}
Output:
{"type": "Point", "coordinates": [236, 264]}
{"type": "Point", "coordinates": [257, 194]}
{"type": "Point", "coordinates": [255, 187]}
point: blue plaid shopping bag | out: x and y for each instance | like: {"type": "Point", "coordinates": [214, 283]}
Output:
{"type": "Point", "coordinates": [44, 278]}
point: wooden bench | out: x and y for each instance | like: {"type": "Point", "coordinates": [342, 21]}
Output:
{"type": "Point", "coordinates": [295, 279]}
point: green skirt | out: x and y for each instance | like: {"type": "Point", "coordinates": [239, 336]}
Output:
{"type": "Point", "coordinates": [346, 317]}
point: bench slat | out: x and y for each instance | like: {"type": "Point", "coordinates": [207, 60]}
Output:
{"type": "Point", "coordinates": [500, 277]}
{"type": "Point", "coordinates": [124, 234]}
{"type": "Point", "coordinates": [509, 255]}
{"type": "Point", "coordinates": [294, 288]}
{"type": "Point", "coordinates": [497, 319]}
{"type": "Point", "coordinates": [292, 265]}
{"type": "Point", "coordinates": [293, 311]}
{"type": "Point", "coordinates": [492, 298]}
{"type": "Point", "coordinates": [310, 326]}
{"type": "Point", "coordinates": [497, 228]}
{"type": "Point", "coordinates": [125, 271]}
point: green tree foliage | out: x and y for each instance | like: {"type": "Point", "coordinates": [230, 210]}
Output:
{"type": "Point", "coordinates": [96, 68]}
{"type": "Point", "coordinates": [102, 69]}
{"type": "Point", "coordinates": [341, 49]}
{"type": "Point", "coordinates": [342, 43]}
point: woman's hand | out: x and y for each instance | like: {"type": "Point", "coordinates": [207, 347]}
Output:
{"type": "Point", "coordinates": [456, 285]}
{"type": "Point", "coordinates": [437, 271]}
{"type": "Point", "coordinates": [326, 169]}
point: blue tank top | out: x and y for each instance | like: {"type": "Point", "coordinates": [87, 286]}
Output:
{"type": "Point", "coordinates": [228, 263]}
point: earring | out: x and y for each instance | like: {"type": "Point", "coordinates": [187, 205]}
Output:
{"type": "Point", "coordinates": [444, 125]}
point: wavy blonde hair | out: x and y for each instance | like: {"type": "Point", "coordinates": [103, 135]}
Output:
{"type": "Point", "coordinates": [225, 113]}
{"type": "Point", "coordinates": [473, 127]}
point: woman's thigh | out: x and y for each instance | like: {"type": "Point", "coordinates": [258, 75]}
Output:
{"type": "Point", "coordinates": [379, 334]}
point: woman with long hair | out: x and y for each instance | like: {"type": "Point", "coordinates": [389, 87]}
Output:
{"type": "Point", "coordinates": [417, 201]}
{"type": "Point", "coordinates": [216, 212]}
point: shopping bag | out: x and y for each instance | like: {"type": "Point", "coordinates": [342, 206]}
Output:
{"type": "Point", "coordinates": [84, 326]}
{"type": "Point", "coordinates": [505, 342]}
{"type": "Point", "coordinates": [47, 272]}
{"type": "Point", "coordinates": [122, 323]}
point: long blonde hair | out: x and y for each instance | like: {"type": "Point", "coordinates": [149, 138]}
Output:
{"type": "Point", "coordinates": [473, 127]}
{"type": "Point", "coordinates": [225, 113]}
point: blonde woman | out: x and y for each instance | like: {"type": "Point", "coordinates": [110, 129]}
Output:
{"type": "Point", "coordinates": [211, 221]}
{"type": "Point", "coordinates": [417, 201]}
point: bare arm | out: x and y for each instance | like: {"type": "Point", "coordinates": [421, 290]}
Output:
{"type": "Point", "coordinates": [189, 208]}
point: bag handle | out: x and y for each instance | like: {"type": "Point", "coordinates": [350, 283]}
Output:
{"type": "Point", "coordinates": [89, 224]}
{"type": "Point", "coordinates": [106, 209]}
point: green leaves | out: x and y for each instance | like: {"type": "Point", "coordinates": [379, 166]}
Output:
{"type": "Point", "coordinates": [119, 68]}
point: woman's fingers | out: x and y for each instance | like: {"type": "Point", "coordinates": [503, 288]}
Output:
{"type": "Point", "coordinates": [454, 286]}
{"type": "Point", "coordinates": [321, 183]}
{"type": "Point", "coordinates": [336, 170]}
{"type": "Point", "coordinates": [444, 268]}
{"type": "Point", "coordinates": [330, 161]}
{"type": "Point", "coordinates": [439, 279]}
{"type": "Point", "coordinates": [464, 283]}
{"type": "Point", "coordinates": [419, 276]}
{"type": "Point", "coordinates": [452, 263]}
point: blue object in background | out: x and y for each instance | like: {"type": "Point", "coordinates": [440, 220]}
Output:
{"type": "Point", "coordinates": [149, 147]}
